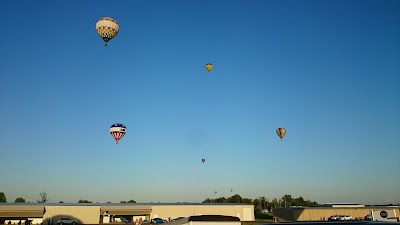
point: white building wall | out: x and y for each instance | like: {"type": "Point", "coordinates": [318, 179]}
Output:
{"type": "Point", "coordinates": [83, 214]}
{"type": "Point", "coordinates": [244, 212]}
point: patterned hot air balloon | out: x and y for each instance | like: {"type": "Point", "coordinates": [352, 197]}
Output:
{"type": "Point", "coordinates": [203, 160]}
{"type": "Point", "coordinates": [107, 28]}
{"type": "Point", "coordinates": [209, 67]}
{"type": "Point", "coordinates": [281, 132]}
{"type": "Point", "coordinates": [117, 130]}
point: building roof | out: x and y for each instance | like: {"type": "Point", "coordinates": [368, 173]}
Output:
{"type": "Point", "coordinates": [117, 204]}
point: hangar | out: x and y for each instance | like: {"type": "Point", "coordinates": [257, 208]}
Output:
{"type": "Point", "coordinates": [357, 212]}
{"type": "Point", "coordinates": [95, 213]}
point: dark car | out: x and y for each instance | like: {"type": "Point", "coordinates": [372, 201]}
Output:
{"type": "Point", "coordinates": [178, 218]}
{"type": "Point", "coordinates": [157, 220]}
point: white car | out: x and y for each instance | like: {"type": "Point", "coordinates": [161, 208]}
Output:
{"type": "Point", "coordinates": [335, 217]}
{"type": "Point", "coordinates": [66, 220]}
{"type": "Point", "coordinates": [344, 217]}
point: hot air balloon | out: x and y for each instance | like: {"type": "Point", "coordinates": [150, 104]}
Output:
{"type": "Point", "coordinates": [203, 160]}
{"type": "Point", "coordinates": [209, 67]}
{"type": "Point", "coordinates": [281, 132]}
{"type": "Point", "coordinates": [231, 190]}
{"type": "Point", "coordinates": [215, 192]}
{"type": "Point", "coordinates": [117, 130]}
{"type": "Point", "coordinates": [107, 28]}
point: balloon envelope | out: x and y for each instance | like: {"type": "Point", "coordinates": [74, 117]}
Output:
{"type": "Point", "coordinates": [281, 132]}
{"type": "Point", "coordinates": [107, 28]}
{"type": "Point", "coordinates": [209, 67]}
{"type": "Point", "coordinates": [117, 131]}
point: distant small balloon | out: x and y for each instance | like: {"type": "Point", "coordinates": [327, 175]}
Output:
{"type": "Point", "coordinates": [117, 131]}
{"type": "Point", "coordinates": [203, 160]}
{"type": "Point", "coordinates": [281, 132]}
{"type": "Point", "coordinates": [209, 67]}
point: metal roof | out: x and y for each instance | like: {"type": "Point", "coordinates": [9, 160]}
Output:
{"type": "Point", "coordinates": [21, 206]}
{"type": "Point", "coordinates": [117, 204]}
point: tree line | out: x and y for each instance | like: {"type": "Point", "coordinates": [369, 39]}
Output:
{"type": "Point", "coordinates": [42, 198]}
{"type": "Point", "coordinates": [260, 204]}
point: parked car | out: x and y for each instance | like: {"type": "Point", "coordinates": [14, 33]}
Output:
{"type": "Point", "coordinates": [344, 217]}
{"type": "Point", "coordinates": [368, 217]}
{"type": "Point", "coordinates": [335, 217]}
{"type": "Point", "coordinates": [66, 220]}
{"type": "Point", "coordinates": [178, 218]}
{"type": "Point", "coordinates": [157, 220]}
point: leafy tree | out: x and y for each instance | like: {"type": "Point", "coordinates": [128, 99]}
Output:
{"type": "Point", "coordinates": [257, 205]}
{"type": "Point", "coordinates": [108, 202]}
{"type": "Point", "coordinates": [3, 197]}
{"type": "Point", "coordinates": [299, 202]}
{"type": "Point", "coordinates": [235, 199]}
{"type": "Point", "coordinates": [221, 200]}
{"type": "Point", "coordinates": [309, 203]}
{"type": "Point", "coordinates": [84, 201]}
{"type": "Point", "coordinates": [248, 201]}
{"type": "Point", "coordinates": [61, 202]}
{"type": "Point", "coordinates": [275, 203]}
{"type": "Point", "coordinates": [20, 200]}
{"type": "Point", "coordinates": [208, 200]}
{"type": "Point", "coordinates": [287, 200]}
{"type": "Point", "coordinates": [130, 201]}
{"type": "Point", "coordinates": [263, 203]}
{"type": "Point", "coordinates": [43, 197]}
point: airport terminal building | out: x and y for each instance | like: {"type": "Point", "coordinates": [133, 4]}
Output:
{"type": "Point", "coordinates": [96, 213]}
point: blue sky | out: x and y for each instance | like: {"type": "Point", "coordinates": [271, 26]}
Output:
{"type": "Point", "coordinates": [327, 71]}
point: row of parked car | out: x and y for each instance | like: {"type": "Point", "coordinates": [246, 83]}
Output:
{"type": "Point", "coordinates": [341, 217]}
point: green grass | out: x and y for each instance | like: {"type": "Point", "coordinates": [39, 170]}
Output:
{"type": "Point", "coordinates": [260, 218]}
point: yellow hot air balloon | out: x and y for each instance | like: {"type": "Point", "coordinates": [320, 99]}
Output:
{"type": "Point", "coordinates": [209, 67]}
{"type": "Point", "coordinates": [281, 132]}
{"type": "Point", "coordinates": [107, 28]}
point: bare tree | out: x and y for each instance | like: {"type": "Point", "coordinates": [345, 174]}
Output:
{"type": "Point", "coordinates": [43, 197]}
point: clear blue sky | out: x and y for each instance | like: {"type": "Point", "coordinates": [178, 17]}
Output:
{"type": "Point", "coordinates": [327, 71]}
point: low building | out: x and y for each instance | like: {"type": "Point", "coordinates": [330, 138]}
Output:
{"type": "Point", "coordinates": [323, 213]}
{"type": "Point", "coordinates": [95, 213]}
